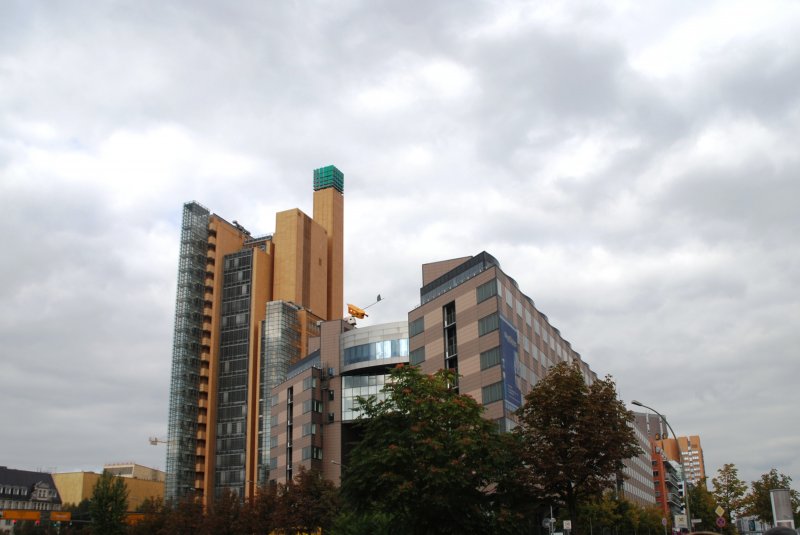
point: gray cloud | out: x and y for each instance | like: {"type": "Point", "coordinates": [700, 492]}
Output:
{"type": "Point", "coordinates": [634, 169]}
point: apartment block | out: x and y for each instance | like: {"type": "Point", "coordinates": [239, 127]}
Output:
{"type": "Point", "coordinates": [246, 307]}
{"type": "Point", "coordinates": [666, 482]}
{"type": "Point", "coordinates": [689, 452]}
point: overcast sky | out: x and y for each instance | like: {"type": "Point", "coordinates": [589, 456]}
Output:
{"type": "Point", "coordinates": [634, 166]}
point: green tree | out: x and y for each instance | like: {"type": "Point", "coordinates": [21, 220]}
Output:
{"type": "Point", "coordinates": [729, 493]}
{"type": "Point", "coordinates": [574, 438]}
{"type": "Point", "coordinates": [428, 460]}
{"type": "Point", "coordinates": [305, 504]}
{"type": "Point", "coordinates": [185, 517]}
{"type": "Point", "coordinates": [80, 516]}
{"type": "Point", "coordinates": [155, 518]}
{"type": "Point", "coordinates": [702, 505]}
{"type": "Point", "coordinates": [225, 516]}
{"type": "Point", "coordinates": [757, 502]}
{"type": "Point", "coordinates": [108, 505]}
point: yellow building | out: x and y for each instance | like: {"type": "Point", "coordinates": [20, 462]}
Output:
{"type": "Point", "coordinates": [245, 309]}
{"type": "Point", "coordinates": [75, 487]}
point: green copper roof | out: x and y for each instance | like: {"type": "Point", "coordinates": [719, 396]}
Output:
{"type": "Point", "coordinates": [328, 177]}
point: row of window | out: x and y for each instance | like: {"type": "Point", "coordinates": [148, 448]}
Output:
{"type": "Point", "coordinates": [376, 351]}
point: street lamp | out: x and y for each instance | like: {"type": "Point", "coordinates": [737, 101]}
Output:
{"type": "Point", "coordinates": [680, 454]}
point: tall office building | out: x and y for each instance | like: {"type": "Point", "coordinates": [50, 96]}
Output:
{"type": "Point", "coordinates": [246, 307]}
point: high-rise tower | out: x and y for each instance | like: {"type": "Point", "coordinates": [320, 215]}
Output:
{"type": "Point", "coordinates": [245, 309]}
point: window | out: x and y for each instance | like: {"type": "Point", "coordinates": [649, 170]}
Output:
{"type": "Point", "coordinates": [273, 441]}
{"type": "Point", "coordinates": [309, 429]}
{"type": "Point", "coordinates": [487, 290]}
{"type": "Point", "coordinates": [417, 356]}
{"type": "Point", "coordinates": [312, 452]}
{"type": "Point", "coordinates": [490, 358]}
{"type": "Point", "coordinates": [416, 327]}
{"type": "Point", "coordinates": [314, 405]}
{"type": "Point", "coordinates": [488, 324]}
{"type": "Point", "coordinates": [492, 393]}
{"type": "Point", "coordinates": [309, 382]}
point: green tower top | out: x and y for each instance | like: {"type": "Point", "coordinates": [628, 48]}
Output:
{"type": "Point", "coordinates": [328, 177]}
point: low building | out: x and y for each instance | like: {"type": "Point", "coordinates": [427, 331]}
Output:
{"type": "Point", "coordinates": [74, 487]}
{"type": "Point", "coordinates": [27, 491]}
{"type": "Point", "coordinates": [136, 471]}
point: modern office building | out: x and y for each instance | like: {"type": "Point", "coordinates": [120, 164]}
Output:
{"type": "Point", "coordinates": [246, 307]}
{"type": "Point", "coordinates": [314, 410]}
{"type": "Point", "coordinates": [637, 481]}
{"type": "Point", "coordinates": [474, 319]}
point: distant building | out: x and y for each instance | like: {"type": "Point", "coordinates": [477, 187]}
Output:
{"type": "Point", "coordinates": [26, 490]}
{"type": "Point", "coordinates": [142, 483]}
{"type": "Point", "coordinates": [666, 482]}
{"type": "Point", "coordinates": [136, 471]}
{"type": "Point", "coordinates": [688, 452]}
{"type": "Point", "coordinates": [637, 484]}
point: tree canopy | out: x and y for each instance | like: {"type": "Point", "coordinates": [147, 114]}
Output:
{"type": "Point", "coordinates": [574, 438]}
{"type": "Point", "coordinates": [108, 505]}
{"type": "Point", "coordinates": [428, 460]}
{"type": "Point", "coordinates": [729, 493]}
{"type": "Point", "coordinates": [757, 502]}
{"type": "Point", "coordinates": [702, 506]}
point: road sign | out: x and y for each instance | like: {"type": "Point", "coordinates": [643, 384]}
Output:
{"type": "Point", "coordinates": [719, 510]}
{"type": "Point", "coordinates": [664, 521]}
{"type": "Point", "coordinates": [721, 522]}
{"type": "Point", "coordinates": [681, 522]}
{"type": "Point", "coordinates": [60, 516]}
{"type": "Point", "coordinates": [568, 525]}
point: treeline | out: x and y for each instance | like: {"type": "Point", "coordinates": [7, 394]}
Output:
{"type": "Point", "coordinates": [429, 462]}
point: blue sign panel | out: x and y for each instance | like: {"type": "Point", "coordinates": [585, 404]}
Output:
{"type": "Point", "coordinates": [508, 352]}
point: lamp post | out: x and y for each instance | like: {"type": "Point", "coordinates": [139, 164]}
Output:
{"type": "Point", "coordinates": [680, 454]}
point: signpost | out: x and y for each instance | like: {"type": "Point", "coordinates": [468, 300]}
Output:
{"type": "Point", "coordinates": [568, 525]}
{"type": "Point", "coordinates": [21, 514]}
{"type": "Point", "coordinates": [680, 522]}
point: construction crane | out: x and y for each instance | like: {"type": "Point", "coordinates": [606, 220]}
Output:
{"type": "Point", "coordinates": [360, 313]}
